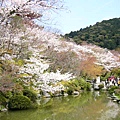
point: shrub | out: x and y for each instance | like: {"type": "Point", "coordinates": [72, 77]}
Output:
{"type": "Point", "coordinates": [30, 94]}
{"type": "Point", "coordinates": [19, 102]}
{"type": "Point", "coordinates": [88, 87]}
{"type": "Point", "coordinates": [101, 86]}
{"type": "Point", "coordinates": [51, 94]}
{"type": "Point", "coordinates": [117, 92]}
{"type": "Point", "coordinates": [84, 85]}
{"type": "Point", "coordinates": [3, 100]}
{"type": "Point", "coordinates": [62, 92]}
{"type": "Point", "coordinates": [112, 89]}
{"type": "Point", "coordinates": [8, 94]}
{"type": "Point", "coordinates": [70, 91]}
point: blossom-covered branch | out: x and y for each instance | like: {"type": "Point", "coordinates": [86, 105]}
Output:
{"type": "Point", "coordinates": [27, 9]}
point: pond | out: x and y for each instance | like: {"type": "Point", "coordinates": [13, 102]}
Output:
{"type": "Point", "coordinates": [87, 106]}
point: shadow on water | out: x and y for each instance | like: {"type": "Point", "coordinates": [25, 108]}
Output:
{"type": "Point", "coordinates": [87, 106]}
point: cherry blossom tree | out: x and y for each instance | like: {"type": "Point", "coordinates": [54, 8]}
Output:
{"type": "Point", "coordinates": [15, 14]}
{"type": "Point", "coordinates": [16, 22]}
{"type": "Point", "coordinates": [27, 9]}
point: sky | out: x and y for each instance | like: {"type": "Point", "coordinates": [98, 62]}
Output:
{"type": "Point", "coordinates": [83, 13]}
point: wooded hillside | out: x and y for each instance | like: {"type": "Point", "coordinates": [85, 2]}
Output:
{"type": "Point", "coordinates": [105, 34]}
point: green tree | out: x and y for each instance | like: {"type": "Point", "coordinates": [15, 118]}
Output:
{"type": "Point", "coordinates": [105, 34]}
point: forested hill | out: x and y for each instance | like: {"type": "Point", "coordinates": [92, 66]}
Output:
{"type": "Point", "coordinates": [105, 34]}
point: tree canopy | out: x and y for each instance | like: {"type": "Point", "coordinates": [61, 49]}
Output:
{"type": "Point", "coordinates": [27, 9]}
{"type": "Point", "coordinates": [105, 34]}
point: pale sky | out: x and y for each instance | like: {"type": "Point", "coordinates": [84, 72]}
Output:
{"type": "Point", "coordinates": [83, 13]}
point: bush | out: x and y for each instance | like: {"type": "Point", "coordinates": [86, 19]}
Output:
{"type": "Point", "coordinates": [112, 89]}
{"type": "Point", "coordinates": [62, 92]}
{"type": "Point", "coordinates": [117, 92]}
{"type": "Point", "coordinates": [8, 94]}
{"type": "Point", "coordinates": [3, 100]}
{"type": "Point", "coordinates": [30, 94]}
{"type": "Point", "coordinates": [19, 102]}
{"type": "Point", "coordinates": [101, 86]}
{"type": "Point", "coordinates": [88, 87]}
{"type": "Point", "coordinates": [70, 91]}
{"type": "Point", "coordinates": [84, 85]}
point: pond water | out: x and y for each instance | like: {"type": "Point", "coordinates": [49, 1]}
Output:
{"type": "Point", "coordinates": [87, 106]}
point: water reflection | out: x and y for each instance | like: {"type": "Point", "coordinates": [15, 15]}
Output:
{"type": "Point", "coordinates": [111, 113]}
{"type": "Point", "coordinates": [87, 106]}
